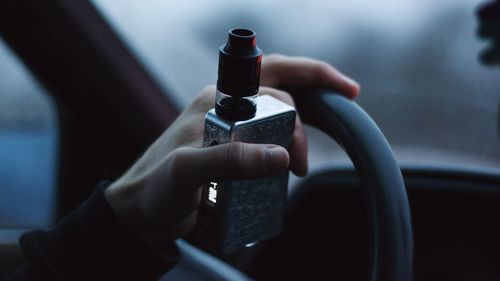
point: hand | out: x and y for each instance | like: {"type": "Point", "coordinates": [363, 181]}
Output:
{"type": "Point", "coordinates": [158, 196]}
{"type": "Point", "coordinates": [489, 28]}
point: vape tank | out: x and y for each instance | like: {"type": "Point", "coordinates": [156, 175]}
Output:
{"type": "Point", "coordinates": [236, 213]}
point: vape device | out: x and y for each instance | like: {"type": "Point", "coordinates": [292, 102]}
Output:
{"type": "Point", "coordinates": [236, 213]}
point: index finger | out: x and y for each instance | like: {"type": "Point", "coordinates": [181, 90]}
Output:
{"type": "Point", "coordinates": [278, 71]}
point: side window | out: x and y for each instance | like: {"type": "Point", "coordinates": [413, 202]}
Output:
{"type": "Point", "coordinates": [28, 147]}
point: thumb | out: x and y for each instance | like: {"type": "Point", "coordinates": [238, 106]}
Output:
{"type": "Point", "coordinates": [192, 167]}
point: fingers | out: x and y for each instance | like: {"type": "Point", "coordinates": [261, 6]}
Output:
{"type": "Point", "coordinates": [278, 70]}
{"type": "Point", "coordinates": [489, 23]}
{"type": "Point", "coordinates": [192, 167]}
{"type": "Point", "coordinates": [204, 101]}
{"type": "Point", "coordinates": [489, 28]}
{"type": "Point", "coordinates": [489, 11]}
{"type": "Point", "coordinates": [491, 55]}
{"type": "Point", "coordinates": [298, 149]}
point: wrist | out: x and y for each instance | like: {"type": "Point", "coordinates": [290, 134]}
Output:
{"type": "Point", "coordinates": [126, 204]}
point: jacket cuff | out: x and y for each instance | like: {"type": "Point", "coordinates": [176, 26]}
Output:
{"type": "Point", "coordinates": [92, 244]}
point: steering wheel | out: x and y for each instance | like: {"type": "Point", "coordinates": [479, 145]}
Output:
{"type": "Point", "coordinates": [382, 186]}
{"type": "Point", "coordinates": [381, 180]}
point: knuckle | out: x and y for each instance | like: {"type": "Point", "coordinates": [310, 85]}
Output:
{"type": "Point", "coordinates": [273, 57]}
{"type": "Point", "coordinates": [235, 154]}
{"type": "Point", "coordinates": [281, 95]}
{"type": "Point", "coordinates": [206, 95]}
{"type": "Point", "coordinates": [286, 97]}
{"type": "Point", "coordinates": [176, 163]}
{"type": "Point", "coordinates": [322, 68]}
{"type": "Point", "coordinates": [208, 90]}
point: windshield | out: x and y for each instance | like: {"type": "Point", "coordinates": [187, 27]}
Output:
{"type": "Point", "coordinates": [417, 62]}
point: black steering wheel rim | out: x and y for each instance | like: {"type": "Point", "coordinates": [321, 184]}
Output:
{"type": "Point", "coordinates": [383, 188]}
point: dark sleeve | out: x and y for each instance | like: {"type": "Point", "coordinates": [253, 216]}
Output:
{"type": "Point", "coordinates": [91, 244]}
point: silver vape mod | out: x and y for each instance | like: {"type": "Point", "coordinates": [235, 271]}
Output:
{"type": "Point", "coordinates": [235, 213]}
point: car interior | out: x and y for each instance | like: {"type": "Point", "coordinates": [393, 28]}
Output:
{"type": "Point", "coordinates": [404, 181]}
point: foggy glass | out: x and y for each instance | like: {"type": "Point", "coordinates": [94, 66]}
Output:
{"type": "Point", "coordinates": [417, 63]}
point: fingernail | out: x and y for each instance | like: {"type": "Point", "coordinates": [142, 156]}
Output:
{"type": "Point", "coordinates": [275, 159]}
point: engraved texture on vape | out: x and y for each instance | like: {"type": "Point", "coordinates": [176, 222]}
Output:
{"type": "Point", "coordinates": [247, 211]}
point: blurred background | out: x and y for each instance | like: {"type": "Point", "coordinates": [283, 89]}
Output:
{"type": "Point", "coordinates": [417, 63]}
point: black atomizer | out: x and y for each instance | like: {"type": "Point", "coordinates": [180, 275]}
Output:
{"type": "Point", "coordinates": [236, 213]}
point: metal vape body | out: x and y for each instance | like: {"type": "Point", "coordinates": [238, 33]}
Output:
{"type": "Point", "coordinates": [235, 213]}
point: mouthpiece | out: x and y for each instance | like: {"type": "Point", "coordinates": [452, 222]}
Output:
{"type": "Point", "coordinates": [239, 64]}
{"type": "Point", "coordinates": [239, 75]}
